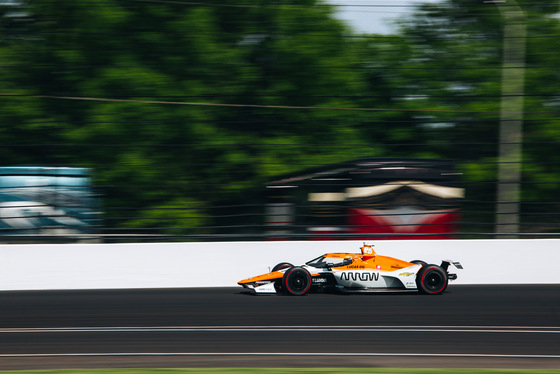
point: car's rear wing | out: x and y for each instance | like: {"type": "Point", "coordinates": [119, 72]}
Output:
{"type": "Point", "coordinates": [445, 265]}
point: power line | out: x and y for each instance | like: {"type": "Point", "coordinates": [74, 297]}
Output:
{"type": "Point", "coordinates": [287, 107]}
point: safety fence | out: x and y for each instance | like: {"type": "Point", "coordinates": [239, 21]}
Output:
{"type": "Point", "coordinates": [361, 199]}
{"type": "Point", "coordinates": [247, 121]}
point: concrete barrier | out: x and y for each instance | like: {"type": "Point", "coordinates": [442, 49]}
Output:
{"type": "Point", "coordinates": [172, 265]}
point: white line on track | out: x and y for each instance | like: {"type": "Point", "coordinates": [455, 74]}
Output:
{"type": "Point", "coordinates": [453, 329]}
{"type": "Point", "coordinates": [479, 355]}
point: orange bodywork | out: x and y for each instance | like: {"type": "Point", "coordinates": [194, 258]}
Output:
{"type": "Point", "coordinates": [263, 277]}
{"type": "Point", "coordinates": [367, 260]}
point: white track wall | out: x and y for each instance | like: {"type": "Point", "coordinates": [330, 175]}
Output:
{"type": "Point", "coordinates": [172, 265]}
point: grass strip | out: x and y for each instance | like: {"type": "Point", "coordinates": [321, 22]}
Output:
{"type": "Point", "coordinates": [289, 371]}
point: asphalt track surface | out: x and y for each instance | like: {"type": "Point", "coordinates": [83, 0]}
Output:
{"type": "Point", "coordinates": [468, 326]}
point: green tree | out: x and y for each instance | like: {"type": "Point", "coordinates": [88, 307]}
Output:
{"type": "Point", "coordinates": [94, 74]}
{"type": "Point", "coordinates": [180, 106]}
{"type": "Point", "coordinates": [443, 71]}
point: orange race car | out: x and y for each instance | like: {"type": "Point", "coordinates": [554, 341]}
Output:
{"type": "Point", "coordinates": [354, 272]}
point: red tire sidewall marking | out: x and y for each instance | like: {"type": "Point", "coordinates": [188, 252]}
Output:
{"type": "Point", "coordinates": [288, 283]}
{"type": "Point", "coordinates": [422, 282]}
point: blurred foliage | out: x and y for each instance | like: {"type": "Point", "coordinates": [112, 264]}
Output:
{"type": "Point", "coordinates": [259, 68]}
{"type": "Point", "coordinates": [289, 371]}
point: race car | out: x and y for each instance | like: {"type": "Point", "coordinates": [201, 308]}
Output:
{"type": "Point", "coordinates": [354, 272]}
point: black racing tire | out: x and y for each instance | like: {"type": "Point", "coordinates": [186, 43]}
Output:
{"type": "Point", "coordinates": [296, 281]}
{"type": "Point", "coordinates": [282, 265]}
{"type": "Point", "coordinates": [419, 262]}
{"type": "Point", "coordinates": [431, 280]}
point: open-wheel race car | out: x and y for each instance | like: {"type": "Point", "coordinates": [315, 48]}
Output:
{"type": "Point", "coordinates": [354, 272]}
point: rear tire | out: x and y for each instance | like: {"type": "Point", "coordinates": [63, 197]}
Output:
{"type": "Point", "coordinates": [431, 280]}
{"type": "Point", "coordinates": [296, 281]}
{"type": "Point", "coordinates": [419, 262]}
{"type": "Point", "coordinates": [282, 265]}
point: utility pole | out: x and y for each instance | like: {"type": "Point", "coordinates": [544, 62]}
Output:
{"type": "Point", "coordinates": [511, 119]}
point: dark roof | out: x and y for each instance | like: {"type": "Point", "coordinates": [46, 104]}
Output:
{"type": "Point", "coordinates": [368, 171]}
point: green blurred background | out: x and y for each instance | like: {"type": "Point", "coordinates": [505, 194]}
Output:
{"type": "Point", "coordinates": [184, 110]}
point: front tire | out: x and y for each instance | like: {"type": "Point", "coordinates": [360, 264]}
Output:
{"type": "Point", "coordinates": [296, 281]}
{"type": "Point", "coordinates": [431, 280]}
